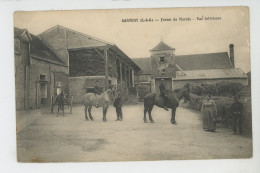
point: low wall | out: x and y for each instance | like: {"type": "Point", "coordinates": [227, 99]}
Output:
{"type": "Point", "coordinates": [180, 83]}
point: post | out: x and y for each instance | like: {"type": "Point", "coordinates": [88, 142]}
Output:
{"type": "Point", "coordinates": [120, 63]}
{"type": "Point", "coordinates": [106, 69]}
{"type": "Point", "coordinates": [129, 76]}
{"type": "Point", "coordinates": [51, 104]}
{"type": "Point", "coordinates": [133, 78]}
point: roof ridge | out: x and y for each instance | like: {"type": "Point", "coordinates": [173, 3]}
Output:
{"type": "Point", "coordinates": [37, 39]}
{"type": "Point", "coordinates": [220, 69]}
{"type": "Point", "coordinates": [86, 35]}
{"type": "Point", "coordinates": [201, 54]}
{"type": "Point", "coordinates": [162, 46]}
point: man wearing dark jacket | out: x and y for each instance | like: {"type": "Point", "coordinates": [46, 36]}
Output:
{"type": "Point", "coordinates": [236, 111]}
{"type": "Point", "coordinates": [96, 91]}
{"type": "Point", "coordinates": [118, 103]}
{"type": "Point", "coordinates": [163, 93]}
{"type": "Point", "coordinates": [96, 88]}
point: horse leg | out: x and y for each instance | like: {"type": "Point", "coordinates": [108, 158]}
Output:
{"type": "Point", "coordinates": [62, 110]}
{"type": "Point", "coordinates": [117, 114]}
{"type": "Point", "coordinates": [89, 112]}
{"type": "Point", "coordinates": [173, 115]}
{"type": "Point", "coordinates": [105, 107]}
{"type": "Point", "coordinates": [150, 114]}
{"type": "Point", "coordinates": [58, 110]}
{"type": "Point", "coordinates": [70, 109]}
{"type": "Point", "coordinates": [86, 114]}
{"type": "Point", "coordinates": [145, 111]}
{"type": "Point", "coordinates": [121, 113]}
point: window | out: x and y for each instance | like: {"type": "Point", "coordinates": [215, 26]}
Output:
{"type": "Point", "coordinates": [163, 71]}
{"type": "Point", "coordinates": [43, 77]}
{"type": "Point", "coordinates": [162, 59]}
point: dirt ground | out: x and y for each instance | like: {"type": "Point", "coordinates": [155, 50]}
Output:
{"type": "Point", "coordinates": [73, 139]}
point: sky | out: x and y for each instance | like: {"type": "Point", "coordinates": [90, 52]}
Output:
{"type": "Point", "coordinates": [137, 38]}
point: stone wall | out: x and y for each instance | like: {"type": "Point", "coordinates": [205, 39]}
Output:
{"type": "Point", "coordinates": [30, 88]}
{"type": "Point", "coordinates": [164, 68]}
{"type": "Point", "coordinates": [53, 73]}
{"type": "Point", "coordinates": [81, 85]}
{"type": "Point", "coordinates": [19, 82]}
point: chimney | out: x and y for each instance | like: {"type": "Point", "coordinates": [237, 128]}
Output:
{"type": "Point", "coordinates": [231, 54]}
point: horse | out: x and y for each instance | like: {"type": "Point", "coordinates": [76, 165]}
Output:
{"type": "Point", "coordinates": [60, 99]}
{"type": "Point", "coordinates": [103, 100]}
{"type": "Point", "coordinates": [174, 97]}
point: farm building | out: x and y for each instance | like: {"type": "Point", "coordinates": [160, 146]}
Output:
{"type": "Point", "coordinates": [180, 70]}
{"type": "Point", "coordinates": [39, 74]}
{"type": "Point", "coordinates": [90, 59]}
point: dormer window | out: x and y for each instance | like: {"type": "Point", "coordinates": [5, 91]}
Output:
{"type": "Point", "coordinates": [162, 59]}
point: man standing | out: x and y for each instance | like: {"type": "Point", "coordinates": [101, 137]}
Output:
{"type": "Point", "coordinates": [236, 111]}
{"type": "Point", "coordinates": [118, 105]}
{"type": "Point", "coordinates": [97, 88]}
{"type": "Point", "coordinates": [96, 91]}
{"type": "Point", "coordinates": [163, 93]}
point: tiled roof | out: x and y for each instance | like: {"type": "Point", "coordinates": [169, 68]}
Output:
{"type": "Point", "coordinates": [144, 64]}
{"type": "Point", "coordinates": [162, 46]}
{"type": "Point", "coordinates": [38, 49]}
{"type": "Point", "coordinates": [210, 74]}
{"type": "Point", "coordinates": [204, 61]}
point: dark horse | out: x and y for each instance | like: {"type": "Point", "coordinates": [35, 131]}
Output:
{"type": "Point", "coordinates": [60, 99]}
{"type": "Point", "coordinates": [174, 97]}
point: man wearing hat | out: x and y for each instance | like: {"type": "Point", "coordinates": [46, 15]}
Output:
{"type": "Point", "coordinates": [118, 103]}
{"type": "Point", "coordinates": [236, 111]}
{"type": "Point", "coordinates": [163, 93]}
{"type": "Point", "coordinates": [96, 90]}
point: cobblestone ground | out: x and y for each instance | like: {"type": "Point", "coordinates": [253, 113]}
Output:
{"type": "Point", "coordinates": [73, 139]}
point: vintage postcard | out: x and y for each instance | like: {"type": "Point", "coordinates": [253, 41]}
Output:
{"type": "Point", "coordinates": [133, 84]}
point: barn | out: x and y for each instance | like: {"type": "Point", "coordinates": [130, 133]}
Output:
{"type": "Point", "coordinates": [39, 74]}
{"type": "Point", "coordinates": [180, 70]}
{"type": "Point", "coordinates": [90, 59]}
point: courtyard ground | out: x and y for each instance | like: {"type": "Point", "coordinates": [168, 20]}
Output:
{"type": "Point", "coordinates": [48, 138]}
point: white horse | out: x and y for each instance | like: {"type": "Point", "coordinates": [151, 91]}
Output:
{"type": "Point", "coordinates": [103, 100]}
